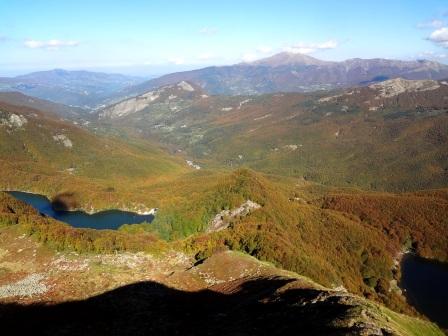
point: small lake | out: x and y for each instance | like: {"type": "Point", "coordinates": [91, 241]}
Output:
{"type": "Point", "coordinates": [426, 286]}
{"type": "Point", "coordinates": [109, 219]}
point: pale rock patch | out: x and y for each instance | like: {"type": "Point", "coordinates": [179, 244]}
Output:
{"type": "Point", "coordinates": [243, 103]}
{"type": "Point", "coordinates": [63, 139]}
{"type": "Point", "coordinates": [329, 99]}
{"type": "Point", "coordinates": [185, 86]}
{"type": "Point", "coordinates": [63, 263]}
{"type": "Point", "coordinates": [263, 117]}
{"type": "Point", "coordinates": [27, 287]}
{"type": "Point", "coordinates": [192, 164]}
{"type": "Point", "coordinates": [394, 87]}
{"type": "Point", "coordinates": [221, 220]}
{"type": "Point", "coordinates": [291, 147]}
{"type": "Point", "coordinates": [14, 121]}
{"type": "Point", "coordinates": [130, 106]}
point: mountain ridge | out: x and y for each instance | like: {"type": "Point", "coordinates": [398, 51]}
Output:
{"type": "Point", "coordinates": [288, 72]}
{"type": "Point", "coordinates": [77, 88]}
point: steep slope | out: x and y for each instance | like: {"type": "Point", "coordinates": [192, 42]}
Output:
{"type": "Point", "coordinates": [288, 72]}
{"type": "Point", "coordinates": [165, 291]}
{"type": "Point", "coordinates": [63, 111]}
{"type": "Point", "coordinates": [386, 136]}
{"type": "Point", "coordinates": [280, 221]}
{"type": "Point", "coordinates": [78, 88]}
{"type": "Point", "coordinates": [171, 95]}
{"type": "Point", "coordinates": [40, 152]}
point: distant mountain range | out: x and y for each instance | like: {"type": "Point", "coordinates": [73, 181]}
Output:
{"type": "Point", "coordinates": [291, 72]}
{"type": "Point", "coordinates": [283, 72]}
{"type": "Point", "coordinates": [83, 89]}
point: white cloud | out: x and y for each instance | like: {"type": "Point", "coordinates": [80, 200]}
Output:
{"type": "Point", "coordinates": [300, 50]}
{"type": "Point", "coordinates": [176, 60]}
{"type": "Point", "coordinates": [430, 24]}
{"type": "Point", "coordinates": [257, 53]}
{"type": "Point", "coordinates": [50, 44]}
{"type": "Point", "coordinates": [208, 30]}
{"type": "Point", "coordinates": [440, 37]}
{"type": "Point", "coordinates": [309, 48]}
{"type": "Point", "coordinates": [264, 49]}
{"type": "Point", "coordinates": [207, 56]}
{"type": "Point", "coordinates": [249, 57]}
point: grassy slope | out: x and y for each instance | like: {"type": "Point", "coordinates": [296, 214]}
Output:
{"type": "Point", "coordinates": [79, 277]}
{"type": "Point", "coordinates": [332, 245]}
{"type": "Point", "coordinates": [103, 171]}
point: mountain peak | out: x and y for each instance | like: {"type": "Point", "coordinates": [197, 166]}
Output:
{"type": "Point", "coordinates": [288, 58]}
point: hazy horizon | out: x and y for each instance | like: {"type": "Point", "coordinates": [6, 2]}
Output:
{"type": "Point", "coordinates": [151, 39]}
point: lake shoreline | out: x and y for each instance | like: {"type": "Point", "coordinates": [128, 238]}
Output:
{"type": "Point", "coordinates": [109, 219]}
{"type": "Point", "coordinates": [92, 211]}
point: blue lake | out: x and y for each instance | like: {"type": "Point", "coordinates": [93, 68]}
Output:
{"type": "Point", "coordinates": [109, 219]}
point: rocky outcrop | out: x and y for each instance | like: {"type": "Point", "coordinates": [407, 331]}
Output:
{"type": "Point", "coordinates": [12, 121]}
{"type": "Point", "coordinates": [168, 94]}
{"type": "Point", "coordinates": [394, 87]}
{"type": "Point", "coordinates": [31, 285]}
{"type": "Point", "coordinates": [222, 219]}
{"type": "Point", "coordinates": [63, 139]}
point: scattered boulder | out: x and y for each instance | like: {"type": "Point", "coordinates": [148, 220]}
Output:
{"type": "Point", "coordinates": [63, 139]}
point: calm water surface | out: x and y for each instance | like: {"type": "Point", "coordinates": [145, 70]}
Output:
{"type": "Point", "coordinates": [109, 219]}
{"type": "Point", "coordinates": [426, 286]}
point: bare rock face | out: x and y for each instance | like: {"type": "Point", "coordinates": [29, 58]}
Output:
{"type": "Point", "coordinates": [222, 219]}
{"type": "Point", "coordinates": [12, 120]}
{"type": "Point", "coordinates": [130, 106]}
{"type": "Point", "coordinates": [398, 93]}
{"type": "Point", "coordinates": [394, 87]}
{"type": "Point", "coordinates": [29, 286]}
{"type": "Point", "coordinates": [64, 140]}
{"type": "Point", "coordinates": [168, 94]}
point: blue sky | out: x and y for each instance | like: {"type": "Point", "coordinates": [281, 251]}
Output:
{"type": "Point", "coordinates": [154, 37]}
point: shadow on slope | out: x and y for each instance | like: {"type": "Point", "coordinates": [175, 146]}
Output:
{"type": "Point", "coordinates": [254, 307]}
